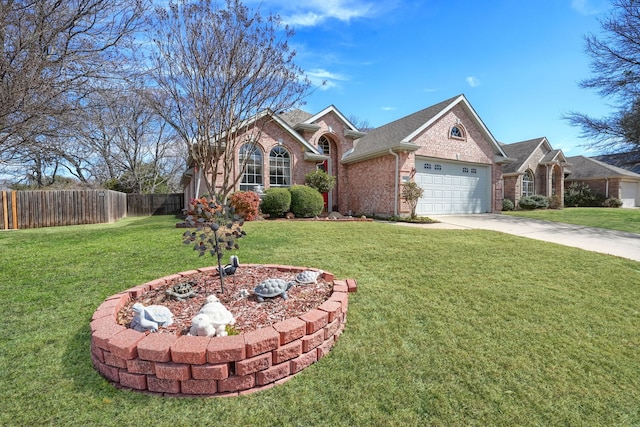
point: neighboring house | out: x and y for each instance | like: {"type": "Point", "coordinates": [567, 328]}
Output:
{"type": "Point", "coordinates": [605, 179]}
{"type": "Point", "coordinates": [629, 161]}
{"type": "Point", "coordinates": [537, 169]}
{"type": "Point", "coordinates": [445, 148]}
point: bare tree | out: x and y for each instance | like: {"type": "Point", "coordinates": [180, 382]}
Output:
{"type": "Point", "coordinates": [616, 75]}
{"type": "Point", "coordinates": [363, 125]}
{"type": "Point", "coordinates": [50, 50]}
{"type": "Point", "coordinates": [218, 71]}
{"type": "Point", "coordinates": [123, 140]}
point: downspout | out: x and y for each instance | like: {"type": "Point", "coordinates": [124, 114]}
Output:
{"type": "Point", "coordinates": [198, 178]}
{"type": "Point", "coordinates": [606, 188]}
{"type": "Point", "coordinates": [395, 196]}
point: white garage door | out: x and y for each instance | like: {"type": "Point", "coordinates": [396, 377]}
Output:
{"type": "Point", "coordinates": [630, 194]}
{"type": "Point", "coordinates": [452, 188]}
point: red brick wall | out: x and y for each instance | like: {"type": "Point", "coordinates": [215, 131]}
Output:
{"type": "Point", "coordinates": [174, 365]}
{"type": "Point", "coordinates": [435, 141]}
{"type": "Point", "coordinates": [606, 188]}
{"type": "Point", "coordinates": [371, 186]}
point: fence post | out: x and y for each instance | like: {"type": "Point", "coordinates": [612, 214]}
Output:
{"type": "Point", "coordinates": [5, 210]}
{"type": "Point", "coordinates": [14, 205]}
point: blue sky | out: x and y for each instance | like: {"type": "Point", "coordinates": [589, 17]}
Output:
{"type": "Point", "coordinates": [518, 62]}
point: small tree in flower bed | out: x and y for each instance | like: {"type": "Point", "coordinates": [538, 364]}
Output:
{"type": "Point", "coordinates": [217, 229]}
{"type": "Point", "coordinates": [246, 204]}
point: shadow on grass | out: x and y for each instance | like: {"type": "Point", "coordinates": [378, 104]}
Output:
{"type": "Point", "coordinates": [77, 366]}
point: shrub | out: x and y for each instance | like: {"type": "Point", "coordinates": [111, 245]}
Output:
{"type": "Point", "coordinates": [276, 202]}
{"type": "Point", "coordinates": [320, 180]}
{"type": "Point", "coordinates": [246, 204]}
{"type": "Point", "coordinates": [612, 202]}
{"type": "Point", "coordinates": [306, 202]}
{"type": "Point", "coordinates": [507, 205]}
{"type": "Point", "coordinates": [579, 194]}
{"type": "Point", "coordinates": [533, 202]}
{"type": "Point", "coordinates": [203, 209]}
{"type": "Point", "coordinates": [411, 193]}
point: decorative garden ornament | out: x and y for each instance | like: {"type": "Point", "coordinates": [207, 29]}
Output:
{"type": "Point", "coordinates": [212, 319]}
{"type": "Point", "coordinates": [150, 318]}
{"type": "Point", "coordinates": [308, 276]}
{"type": "Point", "coordinates": [270, 288]}
{"type": "Point", "coordinates": [231, 268]}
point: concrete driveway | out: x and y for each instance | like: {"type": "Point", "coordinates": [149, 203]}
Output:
{"type": "Point", "coordinates": [618, 243]}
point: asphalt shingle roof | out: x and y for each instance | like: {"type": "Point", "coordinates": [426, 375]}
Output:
{"type": "Point", "coordinates": [294, 117]}
{"type": "Point", "coordinates": [582, 167]}
{"type": "Point", "coordinates": [391, 134]}
{"type": "Point", "coordinates": [521, 152]}
{"type": "Point", "coordinates": [629, 161]}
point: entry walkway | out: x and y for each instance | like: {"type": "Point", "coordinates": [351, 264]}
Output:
{"type": "Point", "coordinates": [618, 243]}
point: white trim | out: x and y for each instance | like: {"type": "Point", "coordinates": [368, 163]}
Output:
{"type": "Point", "coordinates": [461, 99]}
{"type": "Point", "coordinates": [331, 108]}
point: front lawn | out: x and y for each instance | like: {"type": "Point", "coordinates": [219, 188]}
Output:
{"type": "Point", "coordinates": [448, 328]}
{"type": "Point", "coordinates": [609, 218]}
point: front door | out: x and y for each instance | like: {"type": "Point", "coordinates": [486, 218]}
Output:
{"type": "Point", "coordinates": [324, 166]}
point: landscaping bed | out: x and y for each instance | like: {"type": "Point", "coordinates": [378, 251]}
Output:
{"type": "Point", "coordinates": [274, 340]}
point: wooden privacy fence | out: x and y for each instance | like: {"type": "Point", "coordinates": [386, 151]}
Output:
{"type": "Point", "coordinates": [154, 204]}
{"type": "Point", "coordinates": [35, 209]}
{"type": "Point", "coordinates": [50, 208]}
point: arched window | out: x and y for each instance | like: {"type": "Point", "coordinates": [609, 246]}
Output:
{"type": "Point", "coordinates": [457, 132]}
{"type": "Point", "coordinates": [251, 157]}
{"type": "Point", "coordinates": [528, 188]}
{"type": "Point", "coordinates": [324, 146]}
{"type": "Point", "coordinates": [279, 167]}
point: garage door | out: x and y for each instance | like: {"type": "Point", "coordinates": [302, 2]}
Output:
{"type": "Point", "coordinates": [452, 188]}
{"type": "Point", "coordinates": [629, 193]}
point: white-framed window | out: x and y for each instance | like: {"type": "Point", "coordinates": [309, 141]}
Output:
{"type": "Point", "coordinates": [465, 170]}
{"type": "Point", "coordinates": [279, 167]}
{"type": "Point", "coordinates": [250, 156]}
{"type": "Point", "coordinates": [528, 181]}
{"type": "Point", "coordinates": [427, 165]}
{"type": "Point", "coordinates": [324, 146]}
{"type": "Point", "coordinates": [438, 167]}
{"type": "Point", "coordinates": [457, 132]}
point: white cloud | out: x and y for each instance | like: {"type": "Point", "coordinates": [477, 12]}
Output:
{"type": "Point", "coordinates": [473, 81]}
{"type": "Point", "coordinates": [389, 108]}
{"type": "Point", "coordinates": [587, 7]}
{"type": "Point", "coordinates": [315, 12]}
{"type": "Point", "coordinates": [324, 79]}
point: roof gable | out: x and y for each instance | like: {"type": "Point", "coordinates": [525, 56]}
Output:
{"type": "Point", "coordinates": [523, 151]}
{"type": "Point", "coordinates": [328, 110]}
{"type": "Point", "coordinates": [399, 134]}
{"type": "Point", "coordinates": [295, 135]}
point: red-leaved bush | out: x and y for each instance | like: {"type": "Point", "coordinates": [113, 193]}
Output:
{"type": "Point", "coordinates": [203, 208]}
{"type": "Point", "coordinates": [246, 204]}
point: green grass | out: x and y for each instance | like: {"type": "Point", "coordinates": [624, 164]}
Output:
{"type": "Point", "coordinates": [609, 218]}
{"type": "Point", "coordinates": [448, 328]}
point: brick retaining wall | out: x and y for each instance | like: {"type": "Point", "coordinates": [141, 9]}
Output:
{"type": "Point", "coordinates": [174, 365]}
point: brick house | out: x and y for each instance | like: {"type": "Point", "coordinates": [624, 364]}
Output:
{"type": "Point", "coordinates": [445, 148]}
{"type": "Point", "coordinates": [537, 169]}
{"type": "Point", "coordinates": [605, 179]}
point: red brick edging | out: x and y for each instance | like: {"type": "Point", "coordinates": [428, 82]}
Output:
{"type": "Point", "coordinates": [174, 365]}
